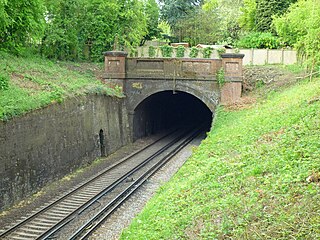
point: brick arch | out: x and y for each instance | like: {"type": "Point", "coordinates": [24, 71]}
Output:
{"type": "Point", "coordinates": [211, 103]}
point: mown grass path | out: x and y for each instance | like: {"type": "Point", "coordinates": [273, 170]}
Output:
{"type": "Point", "coordinates": [256, 176]}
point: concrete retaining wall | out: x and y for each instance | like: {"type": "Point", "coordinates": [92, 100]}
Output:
{"type": "Point", "coordinates": [267, 56]}
{"type": "Point", "coordinates": [47, 144]}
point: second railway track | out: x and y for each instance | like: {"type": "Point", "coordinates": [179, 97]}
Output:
{"type": "Point", "coordinates": [93, 200]}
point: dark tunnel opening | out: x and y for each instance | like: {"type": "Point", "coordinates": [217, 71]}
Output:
{"type": "Point", "coordinates": [167, 110]}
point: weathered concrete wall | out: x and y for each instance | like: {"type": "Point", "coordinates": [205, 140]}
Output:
{"type": "Point", "coordinates": [267, 56]}
{"type": "Point", "coordinates": [47, 144]}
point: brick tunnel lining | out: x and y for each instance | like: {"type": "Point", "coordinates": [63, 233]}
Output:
{"type": "Point", "coordinates": [166, 110]}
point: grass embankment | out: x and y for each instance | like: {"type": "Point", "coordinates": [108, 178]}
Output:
{"type": "Point", "coordinates": [256, 176]}
{"type": "Point", "coordinates": [35, 82]}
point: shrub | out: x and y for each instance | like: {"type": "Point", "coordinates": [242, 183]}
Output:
{"type": "Point", "coordinates": [152, 51]}
{"type": "Point", "coordinates": [4, 82]}
{"type": "Point", "coordinates": [221, 77]}
{"type": "Point", "coordinates": [180, 51]}
{"type": "Point", "coordinates": [166, 51]}
{"type": "Point", "coordinates": [258, 40]}
{"type": "Point", "coordinates": [194, 52]}
{"type": "Point", "coordinates": [207, 52]}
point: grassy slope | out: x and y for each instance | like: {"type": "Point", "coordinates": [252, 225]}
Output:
{"type": "Point", "coordinates": [247, 180]}
{"type": "Point", "coordinates": [36, 82]}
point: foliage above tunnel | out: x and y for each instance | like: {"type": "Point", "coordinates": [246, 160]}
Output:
{"type": "Point", "coordinates": [76, 29]}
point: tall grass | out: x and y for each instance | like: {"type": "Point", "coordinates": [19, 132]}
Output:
{"type": "Point", "coordinates": [256, 176]}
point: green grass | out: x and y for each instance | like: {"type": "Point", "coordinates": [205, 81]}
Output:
{"type": "Point", "coordinates": [35, 82]}
{"type": "Point", "coordinates": [247, 180]}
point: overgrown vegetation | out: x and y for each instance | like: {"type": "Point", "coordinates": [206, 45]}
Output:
{"type": "Point", "coordinates": [36, 82]}
{"type": "Point", "coordinates": [206, 52]}
{"type": "Point", "coordinates": [300, 27]}
{"type": "Point", "coordinates": [221, 77]}
{"type": "Point", "coordinates": [166, 51]}
{"type": "Point", "coordinates": [194, 52]}
{"type": "Point", "coordinates": [258, 40]}
{"type": "Point", "coordinates": [180, 51]}
{"type": "Point", "coordinates": [256, 176]}
{"type": "Point", "coordinates": [76, 29]}
{"type": "Point", "coordinates": [152, 51]}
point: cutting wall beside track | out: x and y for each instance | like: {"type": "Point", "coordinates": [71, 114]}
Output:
{"type": "Point", "coordinates": [47, 144]}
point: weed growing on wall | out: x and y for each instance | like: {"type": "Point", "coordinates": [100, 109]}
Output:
{"type": "Point", "coordinates": [152, 51]}
{"type": "Point", "coordinates": [194, 52]}
{"type": "Point", "coordinates": [221, 51]}
{"type": "Point", "coordinates": [180, 50]}
{"type": "Point", "coordinates": [221, 77]}
{"type": "Point", "coordinates": [166, 51]}
{"type": "Point", "coordinates": [133, 52]}
{"type": "Point", "coordinates": [206, 52]}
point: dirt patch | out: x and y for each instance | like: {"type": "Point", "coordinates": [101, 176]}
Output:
{"type": "Point", "coordinates": [245, 102]}
{"type": "Point", "coordinates": [91, 69]}
{"type": "Point", "coordinates": [271, 77]}
{"type": "Point", "coordinates": [20, 81]}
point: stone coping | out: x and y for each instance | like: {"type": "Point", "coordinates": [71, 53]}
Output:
{"type": "Point", "coordinates": [115, 54]}
{"type": "Point", "coordinates": [232, 55]}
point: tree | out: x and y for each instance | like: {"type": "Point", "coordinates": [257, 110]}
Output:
{"type": "Point", "coordinates": [152, 13]}
{"type": "Point", "coordinates": [226, 14]}
{"type": "Point", "coordinates": [300, 27]}
{"type": "Point", "coordinates": [266, 9]}
{"type": "Point", "coordinates": [86, 28]}
{"type": "Point", "coordinates": [247, 18]}
{"type": "Point", "coordinates": [21, 23]}
{"type": "Point", "coordinates": [174, 10]}
{"type": "Point", "coordinates": [197, 28]}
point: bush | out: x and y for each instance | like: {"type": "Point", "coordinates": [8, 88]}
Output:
{"type": "Point", "coordinates": [221, 77]}
{"type": "Point", "coordinates": [180, 51]}
{"type": "Point", "coordinates": [152, 51]}
{"type": "Point", "coordinates": [194, 52]}
{"type": "Point", "coordinates": [258, 40]}
{"type": "Point", "coordinates": [4, 82]}
{"type": "Point", "coordinates": [166, 51]}
{"type": "Point", "coordinates": [207, 52]}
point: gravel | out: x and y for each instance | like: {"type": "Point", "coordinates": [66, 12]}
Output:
{"type": "Point", "coordinates": [113, 226]}
{"type": "Point", "coordinates": [11, 216]}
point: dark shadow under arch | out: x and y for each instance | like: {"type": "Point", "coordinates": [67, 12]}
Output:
{"type": "Point", "coordinates": [165, 110]}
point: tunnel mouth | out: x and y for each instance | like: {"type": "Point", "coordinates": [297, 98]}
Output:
{"type": "Point", "coordinates": [167, 110]}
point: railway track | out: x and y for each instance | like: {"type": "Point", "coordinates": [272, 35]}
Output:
{"type": "Point", "coordinates": [91, 202]}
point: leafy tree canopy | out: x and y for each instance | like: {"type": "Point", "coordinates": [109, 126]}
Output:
{"type": "Point", "coordinates": [85, 28]}
{"type": "Point", "coordinates": [266, 9]}
{"type": "Point", "coordinates": [300, 27]}
{"type": "Point", "coordinates": [20, 22]}
{"type": "Point", "coordinates": [174, 10]}
{"type": "Point", "coordinates": [152, 13]}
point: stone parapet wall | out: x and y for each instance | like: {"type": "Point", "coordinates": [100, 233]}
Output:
{"type": "Point", "coordinates": [169, 68]}
{"type": "Point", "coordinates": [45, 145]}
{"type": "Point", "coordinates": [194, 76]}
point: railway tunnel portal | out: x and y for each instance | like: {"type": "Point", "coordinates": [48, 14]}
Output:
{"type": "Point", "coordinates": [166, 92]}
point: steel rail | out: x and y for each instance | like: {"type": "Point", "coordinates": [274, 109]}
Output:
{"type": "Point", "coordinates": [81, 186]}
{"type": "Point", "coordinates": [90, 226]}
{"type": "Point", "coordinates": [47, 234]}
